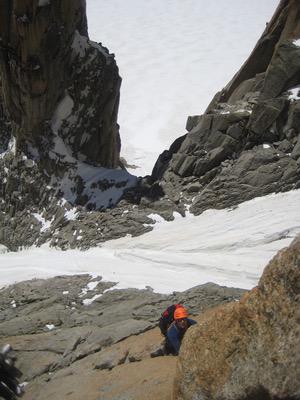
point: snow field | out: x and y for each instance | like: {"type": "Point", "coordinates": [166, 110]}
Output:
{"type": "Point", "coordinates": [229, 247]}
{"type": "Point", "coordinates": [173, 57]}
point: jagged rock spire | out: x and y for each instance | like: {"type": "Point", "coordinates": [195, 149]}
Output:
{"type": "Point", "coordinates": [284, 25]}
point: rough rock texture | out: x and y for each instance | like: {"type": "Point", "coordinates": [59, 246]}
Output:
{"type": "Point", "coordinates": [34, 214]}
{"type": "Point", "coordinates": [59, 97]}
{"type": "Point", "coordinates": [57, 85]}
{"type": "Point", "coordinates": [62, 337]}
{"type": "Point", "coordinates": [248, 349]}
{"type": "Point", "coordinates": [247, 142]}
{"type": "Point", "coordinates": [123, 371]}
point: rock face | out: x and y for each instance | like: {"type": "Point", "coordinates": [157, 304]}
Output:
{"type": "Point", "coordinates": [59, 137]}
{"type": "Point", "coordinates": [58, 87]}
{"type": "Point", "coordinates": [247, 350]}
{"type": "Point", "coordinates": [247, 142]}
{"type": "Point", "coordinates": [70, 328]}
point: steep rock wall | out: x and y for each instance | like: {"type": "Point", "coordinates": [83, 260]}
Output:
{"type": "Point", "coordinates": [248, 349]}
{"type": "Point", "coordinates": [56, 84]}
{"type": "Point", "coordinates": [59, 136]}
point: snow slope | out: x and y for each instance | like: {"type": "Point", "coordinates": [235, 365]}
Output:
{"type": "Point", "coordinates": [229, 247]}
{"type": "Point", "coordinates": [173, 56]}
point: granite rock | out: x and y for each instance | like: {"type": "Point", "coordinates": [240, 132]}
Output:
{"type": "Point", "coordinates": [246, 349]}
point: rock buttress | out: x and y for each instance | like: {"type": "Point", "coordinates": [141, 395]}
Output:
{"type": "Point", "coordinates": [56, 84]}
{"type": "Point", "coordinates": [248, 349]}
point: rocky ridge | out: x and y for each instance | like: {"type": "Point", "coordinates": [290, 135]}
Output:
{"type": "Point", "coordinates": [247, 142]}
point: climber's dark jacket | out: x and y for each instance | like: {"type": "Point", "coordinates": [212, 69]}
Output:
{"type": "Point", "coordinates": [174, 336]}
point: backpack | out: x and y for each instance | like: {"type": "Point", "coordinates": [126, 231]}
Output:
{"type": "Point", "coordinates": [167, 317]}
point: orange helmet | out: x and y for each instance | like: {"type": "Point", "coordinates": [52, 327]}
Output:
{"type": "Point", "coordinates": [180, 313]}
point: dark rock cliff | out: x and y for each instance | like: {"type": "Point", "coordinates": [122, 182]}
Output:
{"type": "Point", "coordinates": [59, 137]}
{"type": "Point", "coordinates": [56, 84]}
{"type": "Point", "coordinates": [247, 142]}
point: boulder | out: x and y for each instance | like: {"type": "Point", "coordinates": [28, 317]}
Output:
{"type": "Point", "coordinates": [248, 349]}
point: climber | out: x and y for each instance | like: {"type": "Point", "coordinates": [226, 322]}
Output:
{"type": "Point", "coordinates": [173, 324]}
{"type": "Point", "coordinates": [177, 330]}
{"type": "Point", "coordinates": [167, 317]}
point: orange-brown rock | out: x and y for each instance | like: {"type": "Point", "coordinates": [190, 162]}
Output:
{"type": "Point", "coordinates": [248, 349]}
{"type": "Point", "coordinates": [121, 371]}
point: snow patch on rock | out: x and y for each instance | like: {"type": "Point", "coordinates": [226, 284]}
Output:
{"type": "Point", "coordinates": [13, 304]}
{"type": "Point", "coordinates": [87, 302]}
{"type": "Point", "coordinates": [11, 148]}
{"type": "Point", "coordinates": [45, 224]}
{"type": "Point", "coordinates": [60, 151]}
{"type": "Point", "coordinates": [72, 214]}
{"type": "Point", "coordinates": [3, 249]}
{"type": "Point", "coordinates": [50, 327]}
{"type": "Point", "coordinates": [102, 187]}
{"type": "Point", "coordinates": [62, 112]}
{"type": "Point", "coordinates": [156, 218]}
{"type": "Point", "coordinates": [296, 42]}
{"type": "Point", "coordinates": [80, 44]}
{"type": "Point", "coordinates": [294, 93]}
